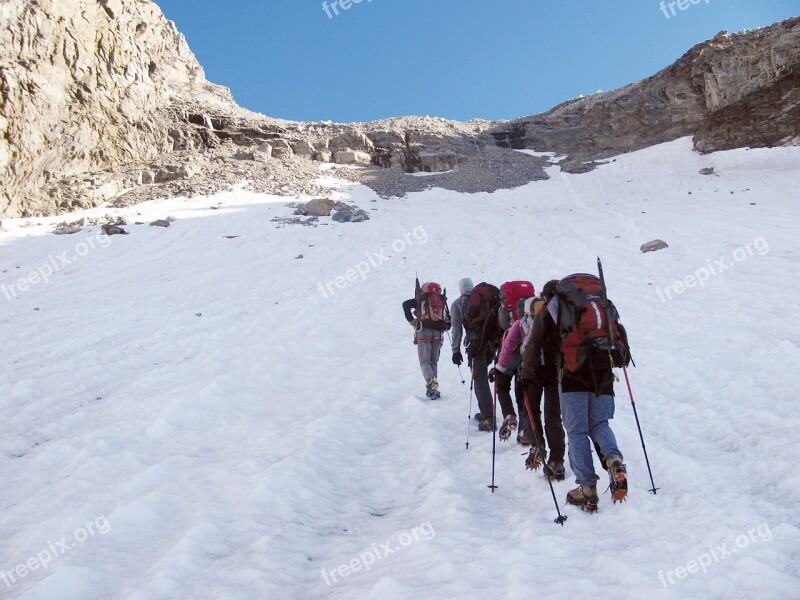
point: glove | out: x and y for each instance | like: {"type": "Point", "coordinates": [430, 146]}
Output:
{"type": "Point", "coordinates": [492, 373]}
{"type": "Point", "coordinates": [457, 358]}
{"type": "Point", "coordinates": [414, 323]}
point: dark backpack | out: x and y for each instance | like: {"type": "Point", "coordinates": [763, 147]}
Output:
{"type": "Point", "coordinates": [432, 308]}
{"type": "Point", "coordinates": [584, 321]}
{"type": "Point", "coordinates": [480, 318]}
{"type": "Point", "coordinates": [513, 292]}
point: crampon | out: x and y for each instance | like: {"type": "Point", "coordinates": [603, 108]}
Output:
{"type": "Point", "coordinates": [534, 460]}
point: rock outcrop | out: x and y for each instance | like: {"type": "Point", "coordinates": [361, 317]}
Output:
{"type": "Point", "coordinates": [88, 86]}
{"type": "Point", "coordinates": [103, 101]}
{"type": "Point", "coordinates": [732, 91]}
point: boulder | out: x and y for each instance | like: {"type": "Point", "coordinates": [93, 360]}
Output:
{"type": "Point", "coordinates": [318, 207]}
{"type": "Point", "coordinates": [67, 228]}
{"type": "Point", "coordinates": [654, 245]}
{"type": "Point", "coordinates": [110, 229]}
{"type": "Point", "coordinates": [352, 157]}
{"type": "Point", "coordinates": [302, 148]}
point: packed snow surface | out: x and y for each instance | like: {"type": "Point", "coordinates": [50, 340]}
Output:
{"type": "Point", "coordinates": [232, 408]}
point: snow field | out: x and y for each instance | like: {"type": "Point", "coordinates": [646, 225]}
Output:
{"type": "Point", "coordinates": [283, 433]}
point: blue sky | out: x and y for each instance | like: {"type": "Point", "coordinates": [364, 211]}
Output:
{"type": "Point", "coordinates": [459, 59]}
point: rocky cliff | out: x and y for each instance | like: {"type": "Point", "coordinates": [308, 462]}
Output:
{"type": "Point", "coordinates": [103, 101]}
{"type": "Point", "coordinates": [731, 91]}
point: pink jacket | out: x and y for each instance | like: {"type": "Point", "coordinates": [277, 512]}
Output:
{"type": "Point", "coordinates": [511, 343]}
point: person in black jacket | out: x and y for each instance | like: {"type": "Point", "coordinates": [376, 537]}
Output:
{"type": "Point", "coordinates": [587, 404]}
{"type": "Point", "coordinates": [478, 359]}
{"type": "Point", "coordinates": [428, 337]}
{"type": "Point", "coordinates": [539, 375]}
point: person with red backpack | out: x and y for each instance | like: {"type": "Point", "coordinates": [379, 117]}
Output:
{"type": "Point", "coordinates": [582, 329]}
{"type": "Point", "coordinates": [427, 313]}
{"type": "Point", "coordinates": [505, 370]}
{"type": "Point", "coordinates": [475, 310]}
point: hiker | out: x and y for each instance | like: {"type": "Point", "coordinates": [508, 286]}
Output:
{"type": "Point", "coordinates": [427, 313]}
{"type": "Point", "coordinates": [514, 295]}
{"type": "Point", "coordinates": [540, 376]}
{"type": "Point", "coordinates": [505, 372]}
{"type": "Point", "coordinates": [527, 313]}
{"type": "Point", "coordinates": [586, 380]}
{"type": "Point", "coordinates": [479, 354]}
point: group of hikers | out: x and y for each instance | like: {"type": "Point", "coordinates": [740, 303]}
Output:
{"type": "Point", "coordinates": [561, 345]}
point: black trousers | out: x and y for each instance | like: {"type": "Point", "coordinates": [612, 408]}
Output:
{"type": "Point", "coordinates": [503, 384]}
{"type": "Point", "coordinates": [553, 428]}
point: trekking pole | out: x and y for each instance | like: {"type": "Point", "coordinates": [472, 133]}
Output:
{"type": "Point", "coordinates": [469, 411]}
{"type": "Point", "coordinates": [624, 370]}
{"type": "Point", "coordinates": [494, 434]}
{"type": "Point", "coordinates": [641, 437]}
{"type": "Point", "coordinates": [463, 381]}
{"type": "Point", "coordinates": [560, 518]}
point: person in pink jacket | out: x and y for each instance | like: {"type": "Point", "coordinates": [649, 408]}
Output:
{"type": "Point", "coordinates": [503, 373]}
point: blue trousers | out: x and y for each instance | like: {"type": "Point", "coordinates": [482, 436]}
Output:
{"type": "Point", "coordinates": [585, 417]}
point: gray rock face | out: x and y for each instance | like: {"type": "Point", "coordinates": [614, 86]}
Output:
{"type": "Point", "coordinates": [732, 91]}
{"type": "Point", "coordinates": [86, 86]}
{"type": "Point", "coordinates": [102, 101]}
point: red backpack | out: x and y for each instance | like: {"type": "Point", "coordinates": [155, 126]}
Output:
{"type": "Point", "coordinates": [432, 308]}
{"type": "Point", "coordinates": [584, 321]}
{"type": "Point", "coordinates": [513, 292]}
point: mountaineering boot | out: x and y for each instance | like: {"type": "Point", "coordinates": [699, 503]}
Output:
{"type": "Point", "coordinates": [617, 478]}
{"type": "Point", "coordinates": [534, 459]}
{"type": "Point", "coordinates": [584, 496]}
{"type": "Point", "coordinates": [488, 424]}
{"type": "Point", "coordinates": [554, 469]}
{"type": "Point", "coordinates": [509, 425]}
{"type": "Point", "coordinates": [479, 417]}
{"type": "Point", "coordinates": [432, 389]}
{"type": "Point", "coordinates": [522, 438]}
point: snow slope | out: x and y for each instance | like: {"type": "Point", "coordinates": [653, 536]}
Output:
{"type": "Point", "coordinates": [187, 415]}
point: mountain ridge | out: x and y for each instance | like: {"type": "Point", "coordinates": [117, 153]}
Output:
{"type": "Point", "coordinates": [103, 101]}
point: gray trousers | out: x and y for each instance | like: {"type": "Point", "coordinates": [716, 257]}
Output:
{"type": "Point", "coordinates": [480, 381]}
{"type": "Point", "coordinates": [429, 346]}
